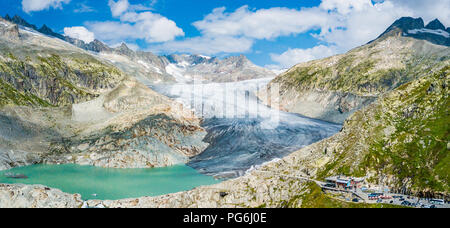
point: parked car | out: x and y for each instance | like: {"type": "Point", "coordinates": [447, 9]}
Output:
{"type": "Point", "coordinates": [437, 201]}
{"type": "Point", "coordinates": [355, 200]}
{"type": "Point", "coordinates": [406, 203]}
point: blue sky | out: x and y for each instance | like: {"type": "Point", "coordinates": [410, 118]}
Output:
{"type": "Point", "coordinates": [272, 33]}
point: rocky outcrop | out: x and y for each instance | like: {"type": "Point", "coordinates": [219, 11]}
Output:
{"type": "Point", "coordinates": [9, 31]}
{"type": "Point", "coordinates": [36, 196]}
{"type": "Point", "coordinates": [137, 128]}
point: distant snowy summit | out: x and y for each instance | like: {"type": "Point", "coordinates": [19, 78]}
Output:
{"type": "Point", "coordinates": [435, 32]}
{"type": "Point", "coordinates": [200, 68]}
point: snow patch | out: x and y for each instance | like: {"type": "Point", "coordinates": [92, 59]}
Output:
{"type": "Point", "coordinates": [256, 167]}
{"type": "Point", "coordinates": [438, 32]}
{"type": "Point", "coordinates": [176, 72]}
{"type": "Point", "coordinates": [205, 57]}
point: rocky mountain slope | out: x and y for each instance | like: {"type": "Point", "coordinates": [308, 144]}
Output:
{"type": "Point", "coordinates": [61, 104]}
{"type": "Point", "coordinates": [150, 68]}
{"type": "Point", "coordinates": [333, 88]}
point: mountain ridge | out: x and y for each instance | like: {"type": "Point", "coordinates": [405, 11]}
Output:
{"type": "Point", "coordinates": [333, 88]}
{"type": "Point", "coordinates": [151, 68]}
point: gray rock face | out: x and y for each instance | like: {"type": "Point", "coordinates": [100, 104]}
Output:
{"type": "Point", "coordinates": [330, 106]}
{"type": "Point", "coordinates": [156, 141]}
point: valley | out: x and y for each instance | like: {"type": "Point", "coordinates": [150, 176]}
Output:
{"type": "Point", "coordinates": [198, 131]}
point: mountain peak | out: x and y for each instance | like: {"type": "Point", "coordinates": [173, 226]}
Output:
{"type": "Point", "coordinates": [124, 47]}
{"type": "Point", "coordinates": [48, 31]}
{"type": "Point", "coordinates": [405, 24]}
{"type": "Point", "coordinates": [45, 29]}
{"type": "Point", "coordinates": [124, 50]}
{"type": "Point", "coordinates": [434, 32]}
{"type": "Point", "coordinates": [98, 46]}
{"type": "Point", "coordinates": [435, 24]}
{"type": "Point", "coordinates": [20, 21]}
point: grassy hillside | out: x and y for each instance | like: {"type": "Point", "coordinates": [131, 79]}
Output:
{"type": "Point", "coordinates": [402, 140]}
{"type": "Point", "coordinates": [52, 79]}
{"type": "Point", "coordinates": [368, 70]}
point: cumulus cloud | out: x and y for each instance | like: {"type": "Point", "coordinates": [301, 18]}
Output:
{"type": "Point", "coordinates": [235, 32]}
{"type": "Point", "coordinates": [79, 32]}
{"type": "Point", "coordinates": [135, 24]}
{"type": "Point", "coordinates": [427, 9]}
{"type": "Point", "coordinates": [38, 5]}
{"type": "Point", "coordinates": [342, 25]}
{"type": "Point", "coordinates": [263, 23]}
{"type": "Point", "coordinates": [294, 56]}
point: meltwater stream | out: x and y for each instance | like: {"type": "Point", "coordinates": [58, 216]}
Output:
{"type": "Point", "coordinates": [243, 132]}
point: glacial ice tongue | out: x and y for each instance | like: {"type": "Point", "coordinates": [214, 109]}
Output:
{"type": "Point", "coordinates": [243, 132]}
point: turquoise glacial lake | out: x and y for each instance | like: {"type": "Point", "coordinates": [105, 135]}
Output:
{"type": "Point", "coordinates": [110, 184]}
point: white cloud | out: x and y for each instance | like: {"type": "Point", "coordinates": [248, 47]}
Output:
{"type": "Point", "coordinates": [79, 32]}
{"type": "Point", "coordinates": [343, 25]}
{"type": "Point", "coordinates": [427, 9]}
{"type": "Point", "coordinates": [345, 6]}
{"type": "Point", "coordinates": [119, 7]}
{"type": "Point", "coordinates": [207, 45]}
{"type": "Point", "coordinates": [38, 5]}
{"type": "Point", "coordinates": [134, 25]}
{"type": "Point", "coordinates": [295, 56]}
{"type": "Point", "coordinates": [263, 23]}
